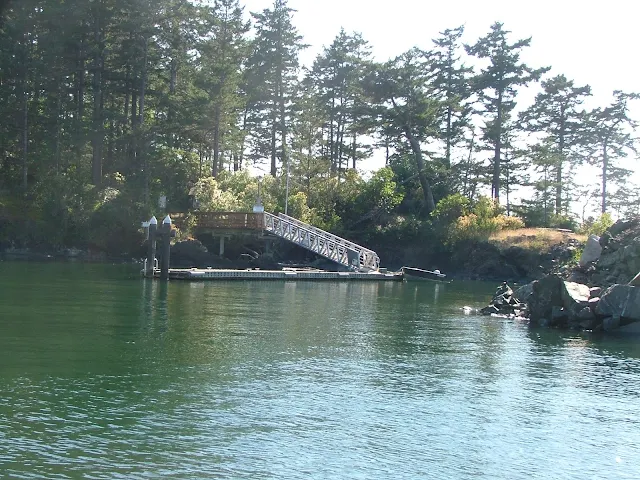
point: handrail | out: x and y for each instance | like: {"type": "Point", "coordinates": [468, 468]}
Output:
{"type": "Point", "coordinates": [322, 243]}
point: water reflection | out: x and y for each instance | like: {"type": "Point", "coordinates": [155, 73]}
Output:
{"type": "Point", "coordinates": [129, 378]}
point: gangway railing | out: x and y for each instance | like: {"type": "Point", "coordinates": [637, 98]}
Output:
{"type": "Point", "coordinates": [323, 243]}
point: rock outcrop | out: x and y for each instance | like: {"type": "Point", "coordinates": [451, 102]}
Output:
{"type": "Point", "coordinates": [504, 302]}
{"type": "Point", "coordinates": [602, 293]}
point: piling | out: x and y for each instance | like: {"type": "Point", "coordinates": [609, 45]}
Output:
{"type": "Point", "coordinates": [151, 249]}
{"type": "Point", "coordinates": [166, 234]}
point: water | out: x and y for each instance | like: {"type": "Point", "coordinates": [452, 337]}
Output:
{"type": "Point", "coordinates": [106, 375]}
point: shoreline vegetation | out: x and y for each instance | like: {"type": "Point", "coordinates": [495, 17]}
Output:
{"type": "Point", "coordinates": [206, 107]}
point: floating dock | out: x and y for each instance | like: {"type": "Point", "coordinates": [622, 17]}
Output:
{"type": "Point", "coordinates": [286, 274]}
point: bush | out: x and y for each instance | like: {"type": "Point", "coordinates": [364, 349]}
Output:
{"type": "Point", "coordinates": [562, 221]}
{"type": "Point", "coordinates": [451, 207]}
{"type": "Point", "coordinates": [483, 220]}
{"type": "Point", "coordinates": [597, 227]}
{"type": "Point", "coordinates": [510, 223]}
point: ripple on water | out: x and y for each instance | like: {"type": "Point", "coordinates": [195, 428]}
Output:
{"type": "Point", "coordinates": [250, 380]}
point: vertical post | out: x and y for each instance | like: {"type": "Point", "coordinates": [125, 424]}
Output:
{"type": "Point", "coordinates": [222, 245]}
{"type": "Point", "coordinates": [151, 249]}
{"type": "Point", "coordinates": [166, 247]}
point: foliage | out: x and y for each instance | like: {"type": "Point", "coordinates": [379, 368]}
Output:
{"type": "Point", "coordinates": [210, 197]}
{"type": "Point", "coordinates": [565, 221]}
{"type": "Point", "coordinates": [450, 208]}
{"type": "Point", "coordinates": [597, 226]}
{"type": "Point", "coordinates": [482, 220]}
{"type": "Point", "coordinates": [110, 104]}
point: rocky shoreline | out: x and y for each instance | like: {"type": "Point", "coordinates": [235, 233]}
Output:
{"type": "Point", "coordinates": [601, 293]}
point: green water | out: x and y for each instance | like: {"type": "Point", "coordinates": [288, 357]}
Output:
{"type": "Point", "coordinates": [106, 375]}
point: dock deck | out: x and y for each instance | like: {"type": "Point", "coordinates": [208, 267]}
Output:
{"type": "Point", "coordinates": [286, 274]}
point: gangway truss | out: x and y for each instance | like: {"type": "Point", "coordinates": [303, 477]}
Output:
{"type": "Point", "coordinates": [325, 244]}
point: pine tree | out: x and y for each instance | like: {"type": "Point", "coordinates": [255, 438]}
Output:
{"type": "Point", "coordinates": [221, 75]}
{"type": "Point", "coordinates": [337, 74]}
{"type": "Point", "coordinates": [611, 139]}
{"type": "Point", "coordinates": [451, 81]}
{"type": "Point", "coordinates": [408, 106]}
{"type": "Point", "coordinates": [273, 80]}
{"type": "Point", "coordinates": [497, 84]}
{"type": "Point", "coordinates": [557, 115]}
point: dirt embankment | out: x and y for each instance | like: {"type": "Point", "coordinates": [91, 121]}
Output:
{"type": "Point", "coordinates": [517, 255]}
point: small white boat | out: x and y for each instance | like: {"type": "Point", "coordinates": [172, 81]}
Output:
{"type": "Point", "coordinates": [413, 274]}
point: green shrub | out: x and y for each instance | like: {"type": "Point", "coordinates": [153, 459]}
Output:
{"type": "Point", "coordinates": [597, 227]}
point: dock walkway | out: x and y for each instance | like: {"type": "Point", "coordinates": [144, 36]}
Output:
{"type": "Point", "coordinates": [286, 274]}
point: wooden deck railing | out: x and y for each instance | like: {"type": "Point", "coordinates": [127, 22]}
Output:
{"type": "Point", "coordinates": [229, 220]}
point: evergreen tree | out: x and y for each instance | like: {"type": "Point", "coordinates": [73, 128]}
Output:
{"type": "Point", "coordinates": [337, 74]}
{"type": "Point", "coordinates": [221, 75]}
{"type": "Point", "coordinates": [408, 105]}
{"type": "Point", "coordinates": [556, 115]}
{"type": "Point", "coordinates": [497, 87]}
{"type": "Point", "coordinates": [272, 79]}
{"type": "Point", "coordinates": [451, 80]}
{"type": "Point", "coordinates": [611, 139]}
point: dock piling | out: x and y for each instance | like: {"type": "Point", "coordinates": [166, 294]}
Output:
{"type": "Point", "coordinates": [166, 233]}
{"type": "Point", "coordinates": [151, 249]}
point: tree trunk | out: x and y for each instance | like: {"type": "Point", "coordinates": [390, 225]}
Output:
{"type": "Point", "coordinates": [495, 184]}
{"type": "Point", "coordinates": [605, 167]}
{"type": "Point", "coordinates": [417, 155]}
{"type": "Point", "coordinates": [216, 141]}
{"type": "Point", "coordinates": [560, 162]}
{"type": "Point", "coordinates": [283, 125]}
{"type": "Point", "coordinates": [353, 150]}
{"type": "Point", "coordinates": [25, 133]}
{"type": "Point", "coordinates": [142, 139]}
{"type": "Point", "coordinates": [97, 138]}
{"type": "Point", "coordinates": [274, 170]}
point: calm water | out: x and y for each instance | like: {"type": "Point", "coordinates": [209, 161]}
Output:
{"type": "Point", "coordinates": [106, 375]}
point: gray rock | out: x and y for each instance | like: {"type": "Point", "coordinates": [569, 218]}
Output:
{"type": "Point", "coordinates": [595, 292]}
{"type": "Point", "coordinates": [545, 295]}
{"type": "Point", "coordinates": [593, 303]}
{"type": "Point", "coordinates": [575, 296]}
{"type": "Point", "coordinates": [585, 314]}
{"type": "Point", "coordinates": [609, 259]}
{"type": "Point", "coordinates": [622, 301]}
{"type": "Point", "coordinates": [524, 292]}
{"type": "Point", "coordinates": [611, 323]}
{"type": "Point", "coordinates": [559, 316]}
{"type": "Point", "coordinates": [592, 251]}
{"type": "Point", "coordinates": [622, 225]}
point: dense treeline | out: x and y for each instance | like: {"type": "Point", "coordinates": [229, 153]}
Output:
{"type": "Point", "coordinates": [107, 104]}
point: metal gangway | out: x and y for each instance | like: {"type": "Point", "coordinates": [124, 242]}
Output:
{"type": "Point", "coordinates": [323, 243]}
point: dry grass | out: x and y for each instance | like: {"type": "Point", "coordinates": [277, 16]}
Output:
{"type": "Point", "coordinates": [538, 239]}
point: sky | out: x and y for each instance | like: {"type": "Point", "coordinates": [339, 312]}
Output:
{"type": "Point", "coordinates": [591, 42]}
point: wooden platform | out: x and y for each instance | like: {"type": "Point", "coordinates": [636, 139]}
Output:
{"type": "Point", "coordinates": [287, 274]}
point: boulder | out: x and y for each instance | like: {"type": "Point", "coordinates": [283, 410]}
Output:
{"type": "Point", "coordinates": [609, 259]}
{"type": "Point", "coordinates": [595, 292]}
{"type": "Point", "coordinates": [621, 301]}
{"type": "Point", "coordinates": [559, 317]}
{"type": "Point", "coordinates": [524, 292]}
{"type": "Point", "coordinates": [546, 293]}
{"type": "Point", "coordinates": [622, 225]}
{"type": "Point", "coordinates": [611, 323]}
{"type": "Point", "coordinates": [503, 302]}
{"type": "Point", "coordinates": [592, 251]}
{"type": "Point", "coordinates": [575, 296]}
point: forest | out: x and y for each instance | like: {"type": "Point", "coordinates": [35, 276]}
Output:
{"type": "Point", "coordinates": [108, 105]}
